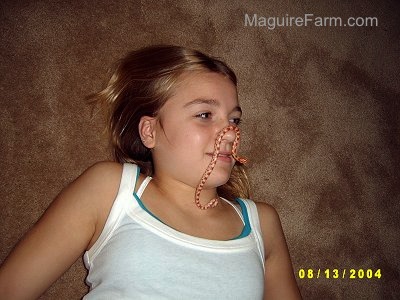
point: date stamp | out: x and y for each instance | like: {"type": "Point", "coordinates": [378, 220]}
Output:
{"type": "Point", "coordinates": [339, 273]}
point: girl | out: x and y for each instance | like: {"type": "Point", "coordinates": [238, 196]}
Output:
{"type": "Point", "coordinates": [172, 114]}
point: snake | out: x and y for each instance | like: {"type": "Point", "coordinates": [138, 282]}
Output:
{"type": "Point", "coordinates": [213, 202]}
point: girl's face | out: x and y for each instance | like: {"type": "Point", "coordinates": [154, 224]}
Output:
{"type": "Point", "coordinates": [202, 105]}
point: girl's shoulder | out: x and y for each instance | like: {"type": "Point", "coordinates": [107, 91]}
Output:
{"type": "Point", "coordinates": [270, 225]}
{"type": "Point", "coordinates": [280, 281]}
{"type": "Point", "coordinates": [98, 186]}
{"type": "Point", "coordinates": [266, 211]}
{"type": "Point", "coordinates": [102, 169]}
{"type": "Point", "coordinates": [99, 183]}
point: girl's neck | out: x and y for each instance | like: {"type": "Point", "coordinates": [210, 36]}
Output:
{"type": "Point", "coordinates": [181, 194]}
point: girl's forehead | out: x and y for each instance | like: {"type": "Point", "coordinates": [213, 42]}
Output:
{"type": "Point", "coordinates": [204, 85]}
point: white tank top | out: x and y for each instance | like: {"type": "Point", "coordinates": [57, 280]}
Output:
{"type": "Point", "coordinates": [138, 257]}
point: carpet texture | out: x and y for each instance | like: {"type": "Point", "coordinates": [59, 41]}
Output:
{"type": "Point", "coordinates": [321, 120]}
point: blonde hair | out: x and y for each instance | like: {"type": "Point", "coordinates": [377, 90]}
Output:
{"type": "Point", "coordinates": [139, 86]}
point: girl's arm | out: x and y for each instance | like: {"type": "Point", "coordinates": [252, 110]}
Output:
{"type": "Point", "coordinates": [280, 282]}
{"type": "Point", "coordinates": [69, 226]}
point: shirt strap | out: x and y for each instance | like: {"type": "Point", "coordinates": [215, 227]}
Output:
{"type": "Point", "coordinates": [143, 186]}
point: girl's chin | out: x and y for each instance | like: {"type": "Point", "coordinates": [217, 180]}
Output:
{"type": "Point", "coordinates": [216, 180]}
{"type": "Point", "coordinates": [220, 174]}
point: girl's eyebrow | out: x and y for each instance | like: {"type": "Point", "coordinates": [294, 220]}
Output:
{"type": "Point", "coordinates": [211, 102]}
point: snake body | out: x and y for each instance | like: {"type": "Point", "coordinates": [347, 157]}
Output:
{"type": "Point", "coordinates": [210, 168]}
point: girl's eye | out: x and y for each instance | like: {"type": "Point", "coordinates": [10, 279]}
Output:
{"type": "Point", "coordinates": [204, 115]}
{"type": "Point", "coordinates": [208, 115]}
{"type": "Point", "coordinates": [235, 121]}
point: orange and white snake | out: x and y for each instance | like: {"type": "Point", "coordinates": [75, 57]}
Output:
{"type": "Point", "coordinates": [210, 168]}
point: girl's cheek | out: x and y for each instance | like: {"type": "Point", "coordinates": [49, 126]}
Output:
{"type": "Point", "coordinates": [205, 138]}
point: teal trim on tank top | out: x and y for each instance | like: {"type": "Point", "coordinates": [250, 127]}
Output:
{"type": "Point", "coordinates": [247, 228]}
{"type": "Point", "coordinates": [245, 231]}
{"type": "Point", "coordinates": [137, 174]}
{"type": "Point", "coordinates": [145, 208]}
{"type": "Point", "coordinates": [140, 201]}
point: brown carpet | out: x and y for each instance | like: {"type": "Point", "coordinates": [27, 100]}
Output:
{"type": "Point", "coordinates": [321, 108]}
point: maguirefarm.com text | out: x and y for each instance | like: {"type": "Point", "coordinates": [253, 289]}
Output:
{"type": "Point", "coordinates": [269, 22]}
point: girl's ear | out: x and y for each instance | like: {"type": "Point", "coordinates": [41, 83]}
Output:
{"type": "Point", "coordinates": [147, 131]}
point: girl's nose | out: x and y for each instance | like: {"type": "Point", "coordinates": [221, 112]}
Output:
{"type": "Point", "coordinates": [229, 135]}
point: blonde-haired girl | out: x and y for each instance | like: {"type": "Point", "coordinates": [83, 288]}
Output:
{"type": "Point", "coordinates": [170, 218]}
